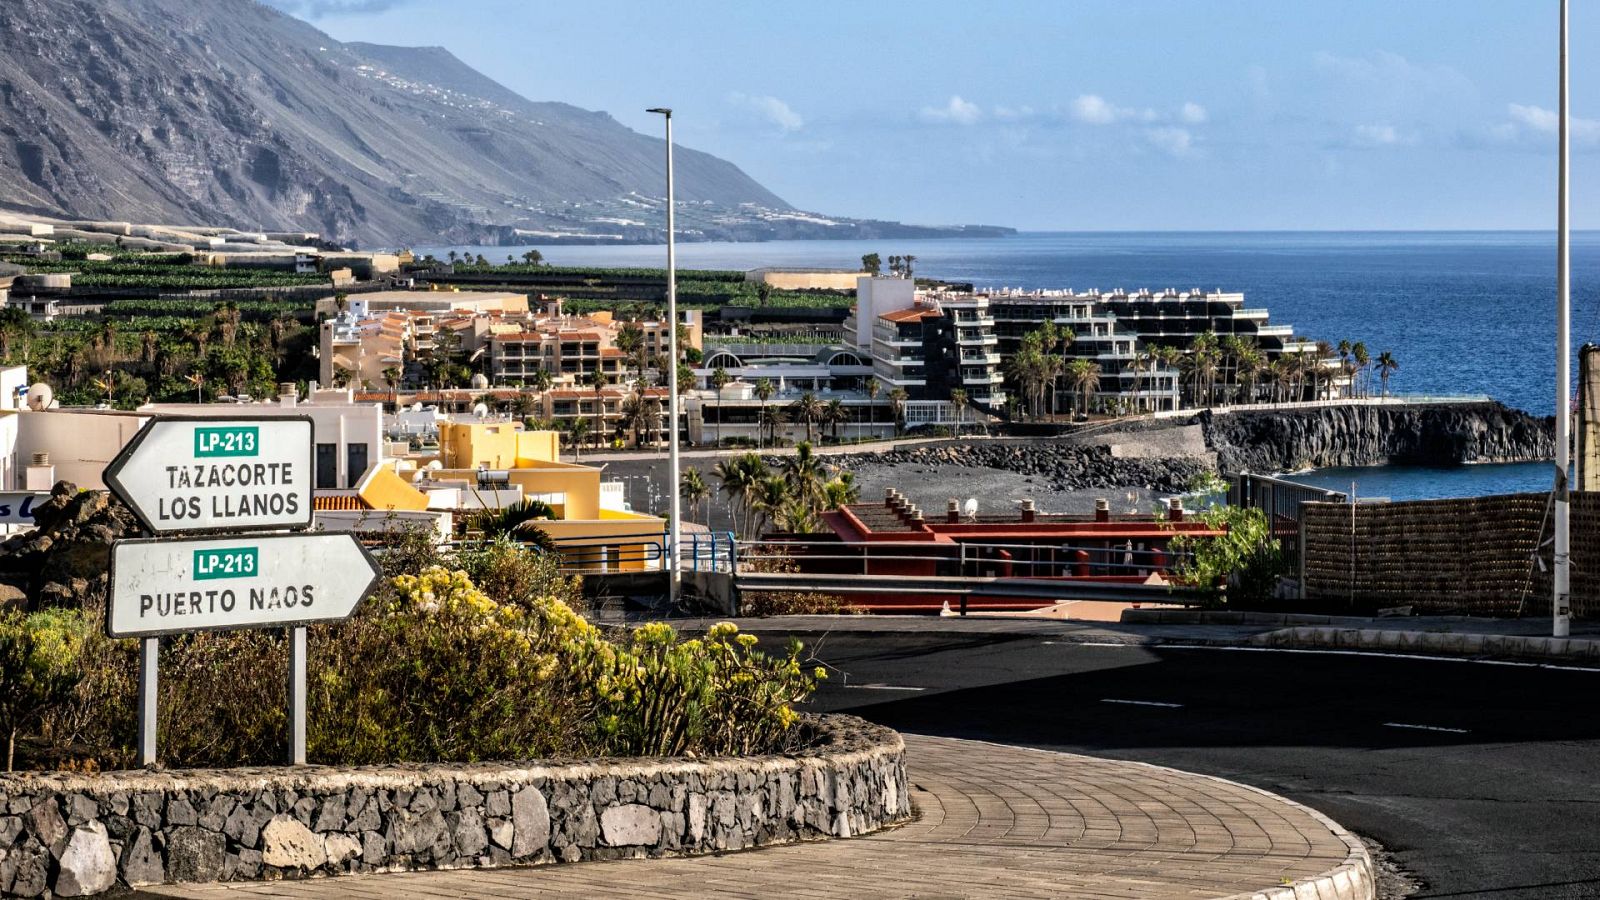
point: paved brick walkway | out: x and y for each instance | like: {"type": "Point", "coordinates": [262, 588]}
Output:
{"type": "Point", "coordinates": [995, 821]}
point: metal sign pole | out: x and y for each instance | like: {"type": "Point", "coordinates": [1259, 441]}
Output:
{"type": "Point", "coordinates": [297, 696]}
{"type": "Point", "coordinates": [149, 649]}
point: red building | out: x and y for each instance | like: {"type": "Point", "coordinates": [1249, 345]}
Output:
{"type": "Point", "coordinates": [894, 537]}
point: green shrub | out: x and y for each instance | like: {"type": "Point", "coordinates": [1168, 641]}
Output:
{"type": "Point", "coordinates": [510, 572]}
{"type": "Point", "coordinates": [40, 659]}
{"type": "Point", "coordinates": [432, 668]}
{"type": "Point", "coordinates": [1241, 566]}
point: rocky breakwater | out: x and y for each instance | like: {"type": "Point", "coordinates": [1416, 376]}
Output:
{"type": "Point", "coordinates": [64, 560]}
{"type": "Point", "coordinates": [1063, 467]}
{"type": "Point", "coordinates": [1371, 435]}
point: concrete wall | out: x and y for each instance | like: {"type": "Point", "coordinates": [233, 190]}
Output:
{"type": "Point", "coordinates": [80, 444]}
{"type": "Point", "coordinates": [78, 835]}
{"type": "Point", "coordinates": [801, 280]}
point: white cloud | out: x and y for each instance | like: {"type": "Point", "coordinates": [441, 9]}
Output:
{"type": "Point", "coordinates": [1193, 113]}
{"type": "Point", "coordinates": [1093, 109]}
{"type": "Point", "coordinates": [1536, 120]}
{"type": "Point", "coordinates": [1171, 139]}
{"type": "Point", "coordinates": [956, 112]}
{"type": "Point", "coordinates": [773, 110]}
{"type": "Point", "coordinates": [1377, 135]}
{"type": "Point", "coordinates": [1535, 117]}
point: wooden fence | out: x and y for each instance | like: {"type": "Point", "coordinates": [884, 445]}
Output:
{"type": "Point", "coordinates": [1478, 555]}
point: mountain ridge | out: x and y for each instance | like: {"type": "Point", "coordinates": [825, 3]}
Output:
{"type": "Point", "coordinates": [231, 112]}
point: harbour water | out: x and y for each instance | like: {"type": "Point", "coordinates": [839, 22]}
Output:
{"type": "Point", "coordinates": [1462, 312]}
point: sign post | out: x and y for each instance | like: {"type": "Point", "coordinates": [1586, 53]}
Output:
{"type": "Point", "coordinates": [214, 486]}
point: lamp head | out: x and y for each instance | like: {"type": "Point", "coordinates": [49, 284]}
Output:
{"type": "Point", "coordinates": [663, 110]}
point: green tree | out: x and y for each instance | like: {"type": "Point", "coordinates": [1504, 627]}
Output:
{"type": "Point", "coordinates": [533, 257]}
{"type": "Point", "coordinates": [1387, 366]}
{"type": "Point", "coordinates": [834, 415]}
{"type": "Point", "coordinates": [577, 430]}
{"type": "Point", "coordinates": [764, 390]}
{"type": "Point", "coordinates": [808, 411]}
{"type": "Point", "coordinates": [692, 488]}
{"type": "Point", "coordinates": [958, 399]}
{"type": "Point", "coordinates": [871, 263]}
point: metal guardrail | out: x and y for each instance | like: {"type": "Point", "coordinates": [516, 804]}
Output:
{"type": "Point", "coordinates": [969, 558]}
{"type": "Point", "coordinates": [962, 589]}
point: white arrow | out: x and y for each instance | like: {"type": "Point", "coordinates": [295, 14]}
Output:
{"type": "Point", "coordinates": [246, 581]}
{"type": "Point", "coordinates": [211, 474]}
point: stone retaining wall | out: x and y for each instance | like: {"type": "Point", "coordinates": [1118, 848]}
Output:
{"type": "Point", "coordinates": [73, 835]}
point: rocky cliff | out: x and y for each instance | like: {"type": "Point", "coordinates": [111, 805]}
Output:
{"type": "Point", "coordinates": [228, 112]}
{"type": "Point", "coordinates": [1356, 435]}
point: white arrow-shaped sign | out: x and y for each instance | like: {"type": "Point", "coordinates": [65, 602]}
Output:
{"type": "Point", "coordinates": [212, 474]}
{"type": "Point", "coordinates": [170, 586]}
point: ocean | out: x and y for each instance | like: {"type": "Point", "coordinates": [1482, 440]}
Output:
{"type": "Point", "coordinates": [1462, 312]}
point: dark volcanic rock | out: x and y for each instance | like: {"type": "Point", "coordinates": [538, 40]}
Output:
{"type": "Point", "coordinates": [1440, 434]}
{"type": "Point", "coordinates": [1065, 467]}
{"type": "Point", "coordinates": [64, 562]}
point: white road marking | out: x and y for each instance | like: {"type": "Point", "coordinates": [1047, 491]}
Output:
{"type": "Point", "coordinates": [883, 687]}
{"type": "Point", "coordinates": [1088, 644]}
{"type": "Point", "coordinates": [1426, 727]}
{"type": "Point", "coordinates": [1143, 703]}
{"type": "Point", "coordinates": [1381, 655]}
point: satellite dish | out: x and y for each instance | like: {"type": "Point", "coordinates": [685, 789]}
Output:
{"type": "Point", "coordinates": [481, 411]}
{"type": "Point", "coordinates": [417, 406]}
{"type": "Point", "coordinates": [40, 396]}
{"type": "Point", "coordinates": [970, 508]}
{"type": "Point", "coordinates": [434, 465]}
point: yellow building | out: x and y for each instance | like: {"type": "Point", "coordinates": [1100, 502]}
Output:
{"type": "Point", "coordinates": [592, 537]}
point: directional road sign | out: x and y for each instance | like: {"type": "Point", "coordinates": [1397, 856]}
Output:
{"type": "Point", "coordinates": [167, 585]}
{"type": "Point", "coordinates": [201, 475]}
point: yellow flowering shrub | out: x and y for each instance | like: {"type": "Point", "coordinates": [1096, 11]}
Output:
{"type": "Point", "coordinates": [440, 670]}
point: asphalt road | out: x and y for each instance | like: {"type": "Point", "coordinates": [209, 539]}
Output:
{"type": "Point", "coordinates": [1481, 779]}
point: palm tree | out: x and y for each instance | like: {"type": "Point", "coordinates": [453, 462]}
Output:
{"type": "Point", "coordinates": [739, 476]}
{"type": "Point", "coordinates": [577, 430]}
{"type": "Point", "coordinates": [808, 411]}
{"type": "Point", "coordinates": [519, 520]}
{"type": "Point", "coordinates": [771, 496]}
{"type": "Point", "coordinates": [1386, 366]}
{"type": "Point", "coordinates": [873, 389]}
{"type": "Point", "coordinates": [958, 399]}
{"type": "Point", "coordinates": [719, 380]}
{"type": "Point", "coordinates": [834, 415]}
{"type": "Point", "coordinates": [898, 397]}
{"type": "Point", "coordinates": [543, 380]}
{"type": "Point", "coordinates": [1358, 355]}
{"type": "Point", "coordinates": [764, 391]}
{"type": "Point", "coordinates": [905, 264]}
{"type": "Point", "coordinates": [841, 490]}
{"type": "Point", "coordinates": [692, 488]}
{"type": "Point", "coordinates": [391, 377]}
{"type": "Point", "coordinates": [805, 475]}
{"type": "Point", "coordinates": [630, 340]}
{"type": "Point", "coordinates": [1084, 376]}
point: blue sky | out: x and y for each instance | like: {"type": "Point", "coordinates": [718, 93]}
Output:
{"type": "Point", "coordinates": [1158, 114]}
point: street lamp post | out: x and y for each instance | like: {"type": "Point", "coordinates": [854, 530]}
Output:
{"type": "Point", "coordinates": [674, 524]}
{"type": "Point", "coordinates": [1561, 604]}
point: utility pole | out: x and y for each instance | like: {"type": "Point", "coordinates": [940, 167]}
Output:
{"type": "Point", "coordinates": [1561, 603]}
{"type": "Point", "coordinates": [675, 524]}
